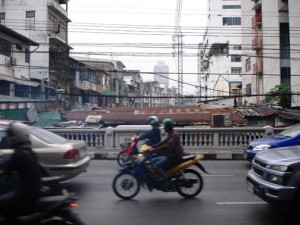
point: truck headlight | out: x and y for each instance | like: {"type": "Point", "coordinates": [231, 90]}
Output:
{"type": "Point", "coordinates": [275, 179]}
{"type": "Point", "coordinates": [261, 147]}
{"type": "Point", "coordinates": [279, 168]}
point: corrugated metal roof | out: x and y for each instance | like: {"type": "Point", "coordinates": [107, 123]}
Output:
{"type": "Point", "coordinates": [245, 111]}
{"type": "Point", "coordinates": [181, 115]}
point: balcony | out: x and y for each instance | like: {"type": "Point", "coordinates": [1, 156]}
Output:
{"type": "Point", "coordinates": [55, 6]}
{"type": "Point", "coordinates": [258, 67]}
{"type": "Point", "coordinates": [256, 20]}
{"type": "Point", "coordinates": [257, 43]}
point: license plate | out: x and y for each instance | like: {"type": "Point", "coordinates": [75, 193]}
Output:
{"type": "Point", "coordinates": [251, 188]}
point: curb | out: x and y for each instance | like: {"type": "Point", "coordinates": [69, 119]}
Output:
{"type": "Point", "coordinates": [204, 156]}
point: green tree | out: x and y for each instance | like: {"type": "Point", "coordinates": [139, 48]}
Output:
{"type": "Point", "coordinates": [280, 94]}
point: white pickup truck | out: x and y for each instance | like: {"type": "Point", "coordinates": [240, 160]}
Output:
{"type": "Point", "coordinates": [275, 177]}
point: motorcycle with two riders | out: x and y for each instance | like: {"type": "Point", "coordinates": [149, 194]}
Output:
{"type": "Point", "coordinates": [183, 179]}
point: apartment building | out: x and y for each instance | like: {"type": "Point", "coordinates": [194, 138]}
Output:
{"type": "Point", "coordinates": [271, 48]}
{"type": "Point", "coordinates": [219, 54]}
{"type": "Point", "coordinates": [45, 22]}
{"type": "Point", "coordinates": [134, 88]}
{"type": "Point", "coordinates": [14, 66]}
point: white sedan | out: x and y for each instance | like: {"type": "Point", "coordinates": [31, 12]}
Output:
{"type": "Point", "coordinates": [57, 155]}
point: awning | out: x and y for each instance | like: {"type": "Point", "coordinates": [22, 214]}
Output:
{"type": "Point", "coordinates": [19, 81]}
{"type": "Point", "coordinates": [14, 114]}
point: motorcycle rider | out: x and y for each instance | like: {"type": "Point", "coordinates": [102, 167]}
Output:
{"type": "Point", "coordinates": [24, 163]}
{"type": "Point", "coordinates": [153, 136]}
{"type": "Point", "coordinates": [167, 151]}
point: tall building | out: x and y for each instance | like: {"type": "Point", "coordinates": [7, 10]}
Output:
{"type": "Point", "coordinates": [161, 74]}
{"type": "Point", "coordinates": [45, 22]}
{"type": "Point", "coordinates": [272, 47]}
{"type": "Point", "coordinates": [219, 62]}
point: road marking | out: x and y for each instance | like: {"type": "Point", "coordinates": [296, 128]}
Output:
{"type": "Point", "coordinates": [218, 175]}
{"type": "Point", "coordinates": [241, 203]}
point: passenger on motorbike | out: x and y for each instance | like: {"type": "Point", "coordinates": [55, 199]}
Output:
{"type": "Point", "coordinates": [153, 136]}
{"type": "Point", "coordinates": [24, 164]}
{"type": "Point", "coordinates": [167, 151]}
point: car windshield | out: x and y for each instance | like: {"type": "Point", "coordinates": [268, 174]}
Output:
{"type": "Point", "coordinates": [47, 136]}
{"type": "Point", "coordinates": [292, 131]}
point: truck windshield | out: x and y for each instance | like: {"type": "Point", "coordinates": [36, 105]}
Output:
{"type": "Point", "coordinates": [292, 131]}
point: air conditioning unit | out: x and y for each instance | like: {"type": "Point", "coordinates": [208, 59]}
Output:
{"type": "Point", "coordinates": [205, 64]}
{"type": "Point", "coordinates": [7, 60]}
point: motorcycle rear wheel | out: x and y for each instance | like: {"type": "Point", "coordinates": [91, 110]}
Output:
{"type": "Point", "coordinates": [126, 186]}
{"type": "Point", "coordinates": [122, 159]}
{"type": "Point", "coordinates": [189, 184]}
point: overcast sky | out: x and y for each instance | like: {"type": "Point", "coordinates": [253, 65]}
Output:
{"type": "Point", "coordinates": [136, 32]}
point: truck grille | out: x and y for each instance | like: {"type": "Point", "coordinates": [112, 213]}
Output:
{"type": "Point", "coordinates": [258, 172]}
{"type": "Point", "coordinates": [260, 163]}
{"type": "Point", "coordinates": [258, 167]}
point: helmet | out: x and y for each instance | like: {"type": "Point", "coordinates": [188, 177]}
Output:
{"type": "Point", "coordinates": [168, 123]}
{"type": "Point", "coordinates": [153, 120]}
{"type": "Point", "coordinates": [17, 133]}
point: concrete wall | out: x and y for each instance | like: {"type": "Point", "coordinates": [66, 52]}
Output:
{"type": "Point", "coordinates": [294, 9]}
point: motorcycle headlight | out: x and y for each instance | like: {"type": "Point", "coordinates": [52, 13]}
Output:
{"type": "Point", "coordinates": [279, 168]}
{"type": "Point", "coordinates": [261, 147]}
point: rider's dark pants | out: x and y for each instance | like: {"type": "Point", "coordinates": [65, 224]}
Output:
{"type": "Point", "coordinates": [158, 163]}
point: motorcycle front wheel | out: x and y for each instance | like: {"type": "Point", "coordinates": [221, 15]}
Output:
{"type": "Point", "coordinates": [66, 217]}
{"type": "Point", "coordinates": [126, 186]}
{"type": "Point", "coordinates": [122, 159]}
{"type": "Point", "coordinates": [189, 183]}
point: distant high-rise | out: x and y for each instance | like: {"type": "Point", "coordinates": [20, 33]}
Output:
{"type": "Point", "coordinates": [161, 73]}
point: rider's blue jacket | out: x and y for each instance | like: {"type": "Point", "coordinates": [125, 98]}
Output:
{"type": "Point", "coordinates": [153, 135]}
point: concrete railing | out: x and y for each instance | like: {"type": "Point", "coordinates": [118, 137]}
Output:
{"type": "Point", "coordinates": [194, 140]}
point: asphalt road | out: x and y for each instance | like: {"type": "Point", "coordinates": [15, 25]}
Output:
{"type": "Point", "coordinates": [224, 200]}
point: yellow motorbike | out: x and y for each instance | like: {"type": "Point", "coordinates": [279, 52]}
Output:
{"type": "Point", "coordinates": [183, 179]}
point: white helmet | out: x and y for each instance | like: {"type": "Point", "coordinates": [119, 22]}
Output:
{"type": "Point", "coordinates": [153, 120]}
{"type": "Point", "coordinates": [17, 134]}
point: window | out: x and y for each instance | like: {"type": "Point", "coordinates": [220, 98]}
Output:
{"type": "Point", "coordinates": [231, 21]}
{"type": "Point", "coordinates": [235, 58]}
{"type": "Point", "coordinates": [284, 41]}
{"type": "Point", "coordinates": [5, 47]}
{"type": "Point", "coordinates": [248, 64]}
{"type": "Point", "coordinates": [231, 6]}
{"type": "Point", "coordinates": [30, 20]}
{"type": "Point", "coordinates": [2, 18]}
{"type": "Point", "coordinates": [236, 70]}
{"type": "Point", "coordinates": [237, 47]}
{"type": "Point", "coordinates": [47, 136]}
{"type": "Point", "coordinates": [248, 89]}
{"type": "Point", "coordinates": [27, 55]}
{"type": "Point", "coordinates": [19, 47]}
